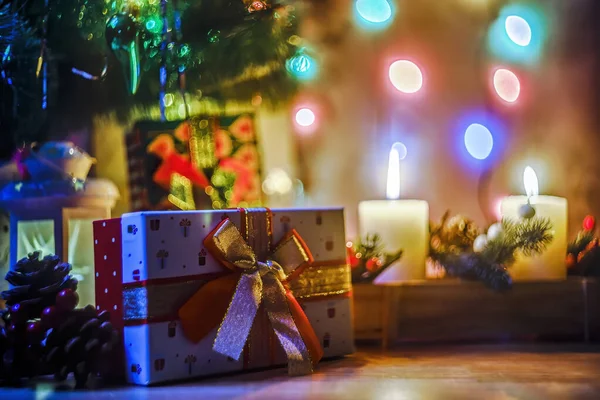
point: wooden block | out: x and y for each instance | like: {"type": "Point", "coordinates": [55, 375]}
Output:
{"type": "Point", "coordinates": [593, 309]}
{"type": "Point", "coordinates": [455, 310]}
{"type": "Point", "coordinates": [368, 315]}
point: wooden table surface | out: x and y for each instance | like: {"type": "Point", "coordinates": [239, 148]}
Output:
{"type": "Point", "coordinates": [498, 372]}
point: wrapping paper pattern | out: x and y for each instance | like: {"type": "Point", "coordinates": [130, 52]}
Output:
{"type": "Point", "coordinates": [202, 163]}
{"type": "Point", "coordinates": [157, 246]}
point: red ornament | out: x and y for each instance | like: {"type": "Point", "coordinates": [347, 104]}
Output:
{"type": "Point", "coordinates": [18, 314]}
{"type": "Point", "coordinates": [67, 299]}
{"type": "Point", "coordinates": [351, 257]}
{"type": "Point", "coordinates": [571, 261]}
{"type": "Point", "coordinates": [589, 223]}
{"type": "Point", "coordinates": [373, 264]}
{"type": "Point", "coordinates": [35, 332]}
{"type": "Point", "coordinates": [257, 5]}
{"type": "Point", "coordinates": [51, 317]}
{"type": "Point", "coordinates": [591, 245]}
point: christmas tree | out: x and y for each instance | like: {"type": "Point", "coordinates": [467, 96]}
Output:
{"type": "Point", "coordinates": [99, 56]}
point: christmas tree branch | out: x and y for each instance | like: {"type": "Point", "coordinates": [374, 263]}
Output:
{"type": "Point", "coordinates": [368, 258]}
{"type": "Point", "coordinates": [452, 247]}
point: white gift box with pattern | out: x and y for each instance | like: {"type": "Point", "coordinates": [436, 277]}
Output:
{"type": "Point", "coordinates": [148, 265]}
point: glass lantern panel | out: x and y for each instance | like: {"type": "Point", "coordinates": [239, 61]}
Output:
{"type": "Point", "coordinates": [4, 248]}
{"type": "Point", "coordinates": [81, 257]}
{"type": "Point", "coordinates": [35, 236]}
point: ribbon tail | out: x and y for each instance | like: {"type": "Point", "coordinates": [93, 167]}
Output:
{"type": "Point", "coordinates": [306, 330]}
{"type": "Point", "coordinates": [204, 311]}
{"type": "Point", "coordinates": [235, 328]}
{"type": "Point", "coordinates": [298, 355]}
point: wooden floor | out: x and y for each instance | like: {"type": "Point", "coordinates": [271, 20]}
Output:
{"type": "Point", "coordinates": [422, 372]}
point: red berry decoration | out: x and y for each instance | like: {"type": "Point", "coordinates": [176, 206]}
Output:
{"type": "Point", "coordinates": [589, 223]}
{"type": "Point", "coordinates": [51, 317]}
{"type": "Point", "coordinates": [571, 261]}
{"type": "Point", "coordinates": [67, 299]}
{"type": "Point", "coordinates": [35, 332]}
{"type": "Point", "coordinates": [373, 264]}
{"type": "Point", "coordinates": [351, 256]}
{"type": "Point", "coordinates": [18, 314]}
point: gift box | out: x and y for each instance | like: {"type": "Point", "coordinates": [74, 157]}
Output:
{"type": "Point", "coordinates": [198, 293]}
{"type": "Point", "coordinates": [201, 163]}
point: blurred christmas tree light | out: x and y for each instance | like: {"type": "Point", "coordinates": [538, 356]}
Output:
{"type": "Point", "coordinates": [406, 76]}
{"type": "Point", "coordinates": [518, 35]}
{"type": "Point", "coordinates": [518, 30]}
{"type": "Point", "coordinates": [401, 149]}
{"type": "Point", "coordinates": [373, 14]}
{"type": "Point", "coordinates": [305, 117]}
{"type": "Point", "coordinates": [507, 85]}
{"type": "Point", "coordinates": [479, 141]}
{"type": "Point", "coordinates": [302, 66]}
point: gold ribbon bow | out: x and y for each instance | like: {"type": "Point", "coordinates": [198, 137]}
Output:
{"type": "Point", "coordinates": [257, 283]}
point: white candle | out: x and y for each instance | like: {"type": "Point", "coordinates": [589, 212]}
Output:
{"type": "Point", "coordinates": [401, 224]}
{"type": "Point", "coordinates": [550, 265]}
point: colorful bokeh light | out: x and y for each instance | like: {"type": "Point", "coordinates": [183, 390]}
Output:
{"type": "Point", "coordinates": [507, 85]}
{"type": "Point", "coordinates": [406, 76]}
{"type": "Point", "coordinates": [479, 141]}
{"type": "Point", "coordinates": [401, 149]}
{"type": "Point", "coordinates": [373, 14]}
{"type": "Point", "coordinates": [518, 30]}
{"type": "Point", "coordinates": [518, 34]}
{"type": "Point", "coordinates": [305, 117]}
{"type": "Point", "coordinates": [302, 66]}
{"type": "Point", "coordinates": [375, 11]}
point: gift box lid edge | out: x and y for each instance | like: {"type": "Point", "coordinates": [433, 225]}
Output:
{"type": "Point", "coordinates": [280, 210]}
{"type": "Point", "coordinates": [316, 209]}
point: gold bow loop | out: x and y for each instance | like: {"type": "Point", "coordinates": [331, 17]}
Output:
{"type": "Point", "coordinates": [263, 283]}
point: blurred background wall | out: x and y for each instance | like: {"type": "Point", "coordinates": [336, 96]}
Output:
{"type": "Point", "coordinates": [553, 127]}
{"type": "Point", "coordinates": [359, 116]}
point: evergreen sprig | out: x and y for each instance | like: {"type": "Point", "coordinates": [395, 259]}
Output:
{"type": "Point", "coordinates": [530, 236]}
{"type": "Point", "coordinates": [583, 239]}
{"type": "Point", "coordinates": [527, 236]}
{"type": "Point", "coordinates": [370, 249]}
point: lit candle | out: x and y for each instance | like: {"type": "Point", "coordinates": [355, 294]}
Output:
{"type": "Point", "coordinates": [550, 265]}
{"type": "Point", "coordinates": [401, 224]}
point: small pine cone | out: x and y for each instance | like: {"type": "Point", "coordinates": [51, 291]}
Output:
{"type": "Point", "coordinates": [4, 346]}
{"type": "Point", "coordinates": [20, 362]}
{"type": "Point", "coordinates": [82, 345]}
{"type": "Point", "coordinates": [36, 283]}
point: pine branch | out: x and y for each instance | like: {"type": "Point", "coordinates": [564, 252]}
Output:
{"type": "Point", "coordinates": [475, 267]}
{"type": "Point", "coordinates": [532, 236]}
{"type": "Point", "coordinates": [583, 239]}
{"type": "Point", "coordinates": [490, 265]}
{"type": "Point", "coordinates": [370, 246]}
{"type": "Point", "coordinates": [371, 258]}
{"type": "Point", "coordinates": [500, 251]}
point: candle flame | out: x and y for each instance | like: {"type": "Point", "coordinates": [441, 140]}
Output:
{"type": "Point", "coordinates": [393, 177]}
{"type": "Point", "coordinates": [531, 182]}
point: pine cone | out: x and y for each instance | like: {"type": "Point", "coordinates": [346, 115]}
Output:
{"type": "Point", "coordinates": [4, 346]}
{"type": "Point", "coordinates": [460, 231]}
{"type": "Point", "coordinates": [36, 283]}
{"type": "Point", "coordinates": [20, 358]}
{"type": "Point", "coordinates": [83, 345]}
